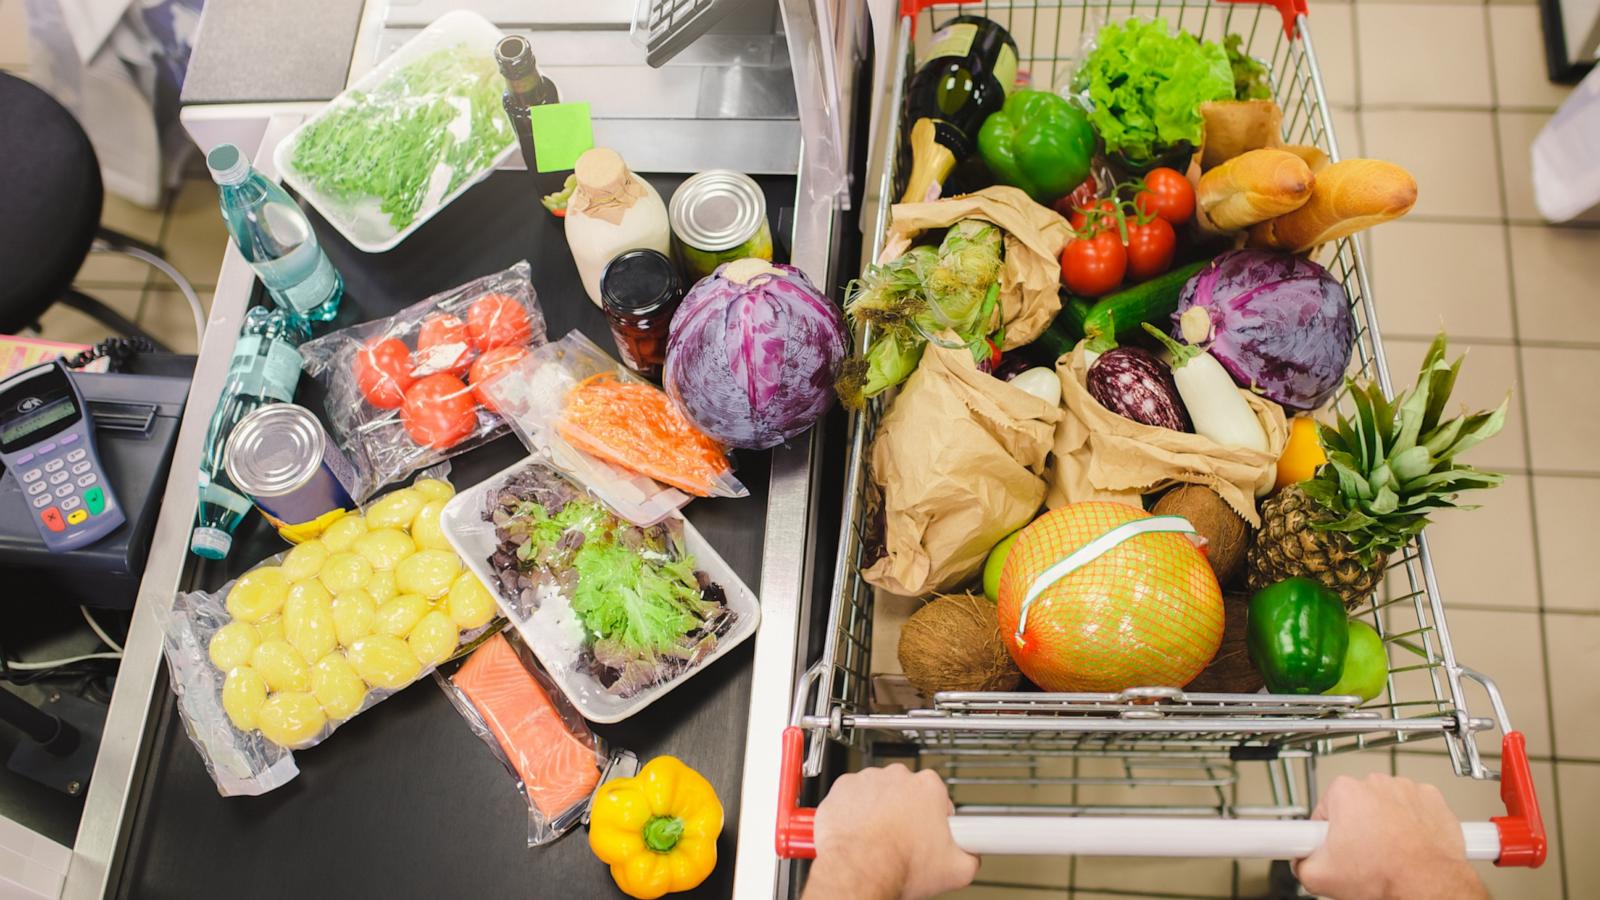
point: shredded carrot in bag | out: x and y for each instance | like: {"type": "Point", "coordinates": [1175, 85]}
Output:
{"type": "Point", "coordinates": [636, 426]}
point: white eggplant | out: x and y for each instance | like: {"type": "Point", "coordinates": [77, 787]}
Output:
{"type": "Point", "coordinates": [1215, 405]}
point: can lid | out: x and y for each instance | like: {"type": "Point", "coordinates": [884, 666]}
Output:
{"type": "Point", "coordinates": [718, 209]}
{"type": "Point", "coordinates": [211, 543]}
{"type": "Point", "coordinates": [638, 281]}
{"type": "Point", "coordinates": [274, 450]}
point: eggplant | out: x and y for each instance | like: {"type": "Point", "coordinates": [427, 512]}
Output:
{"type": "Point", "coordinates": [1136, 385]}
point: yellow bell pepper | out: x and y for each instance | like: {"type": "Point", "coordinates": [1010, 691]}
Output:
{"type": "Point", "coordinates": [657, 830]}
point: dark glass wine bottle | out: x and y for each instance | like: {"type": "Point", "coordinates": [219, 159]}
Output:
{"type": "Point", "coordinates": [526, 87]}
{"type": "Point", "coordinates": [970, 66]}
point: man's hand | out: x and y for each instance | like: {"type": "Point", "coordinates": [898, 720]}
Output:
{"type": "Point", "coordinates": [1388, 838]}
{"type": "Point", "coordinates": [885, 833]}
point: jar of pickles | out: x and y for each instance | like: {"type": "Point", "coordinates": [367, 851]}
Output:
{"type": "Point", "coordinates": [639, 291]}
{"type": "Point", "coordinates": [719, 216]}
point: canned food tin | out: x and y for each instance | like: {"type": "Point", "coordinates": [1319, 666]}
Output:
{"type": "Point", "coordinates": [281, 457]}
{"type": "Point", "coordinates": [719, 216]}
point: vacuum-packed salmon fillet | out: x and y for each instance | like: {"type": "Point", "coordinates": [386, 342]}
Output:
{"type": "Point", "coordinates": [559, 769]}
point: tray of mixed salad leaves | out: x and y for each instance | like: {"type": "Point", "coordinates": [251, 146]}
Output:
{"type": "Point", "coordinates": [618, 614]}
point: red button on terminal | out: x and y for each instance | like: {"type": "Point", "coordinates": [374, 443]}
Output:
{"type": "Point", "coordinates": [52, 519]}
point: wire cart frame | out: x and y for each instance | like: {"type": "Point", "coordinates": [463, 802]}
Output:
{"type": "Point", "coordinates": [1002, 752]}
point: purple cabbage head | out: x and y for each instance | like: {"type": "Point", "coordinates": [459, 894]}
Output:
{"type": "Point", "coordinates": [753, 354]}
{"type": "Point", "coordinates": [1279, 324]}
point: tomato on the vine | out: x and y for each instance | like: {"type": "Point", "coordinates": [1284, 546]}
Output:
{"type": "Point", "coordinates": [439, 411]}
{"type": "Point", "coordinates": [1104, 211]}
{"type": "Point", "coordinates": [383, 372]}
{"type": "Point", "coordinates": [1083, 195]}
{"type": "Point", "coordinates": [1094, 265]}
{"type": "Point", "coordinates": [1150, 248]}
{"type": "Point", "coordinates": [1166, 193]}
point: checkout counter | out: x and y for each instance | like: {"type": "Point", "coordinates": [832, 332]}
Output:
{"type": "Point", "coordinates": [404, 801]}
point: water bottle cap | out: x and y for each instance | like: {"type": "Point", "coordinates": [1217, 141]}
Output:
{"type": "Point", "coordinates": [211, 543]}
{"type": "Point", "coordinates": [227, 164]}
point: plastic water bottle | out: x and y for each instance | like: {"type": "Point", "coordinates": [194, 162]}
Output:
{"type": "Point", "coordinates": [275, 237]}
{"type": "Point", "coordinates": [265, 369]}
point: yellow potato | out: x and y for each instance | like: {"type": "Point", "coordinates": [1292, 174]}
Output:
{"type": "Point", "coordinates": [434, 638]}
{"type": "Point", "coordinates": [343, 532]}
{"type": "Point", "coordinates": [382, 587]}
{"type": "Point", "coordinates": [270, 629]}
{"type": "Point", "coordinates": [232, 645]}
{"type": "Point", "coordinates": [428, 572]}
{"type": "Point", "coordinates": [400, 615]}
{"type": "Point", "coordinates": [258, 594]}
{"type": "Point", "coordinates": [243, 692]}
{"type": "Point", "coordinates": [337, 686]}
{"type": "Point", "coordinates": [309, 626]}
{"type": "Point", "coordinates": [281, 665]}
{"type": "Point", "coordinates": [433, 488]}
{"type": "Point", "coordinates": [304, 595]}
{"type": "Point", "coordinates": [305, 560]}
{"type": "Point", "coordinates": [384, 547]}
{"type": "Point", "coordinates": [290, 718]}
{"type": "Point", "coordinates": [353, 611]}
{"type": "Point", "coordinates": [469, 602]}
{"type": "Point", "coordinates": [384, 661]}
{"type": "Point", "coordinates": [345, 570]}
{"type": "Point", "coordinates": [425, 528]}
{"type": "Point", "coordinates": [395, 510]}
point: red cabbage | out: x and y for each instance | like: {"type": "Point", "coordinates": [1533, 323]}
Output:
{"type": "Point", "coordinates": [753, 354]}
{"type": "Point", "coordinates": [1280, 325]}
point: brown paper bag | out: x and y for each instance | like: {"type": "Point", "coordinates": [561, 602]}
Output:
{"type": "Point", "coordinates": [959, 461]}
{"type": "Point", "coordinates": [1233, 127]}
{"type": "Point", "coordinates": [1100, 455]}
{"type": "Point", "coordinates": [1030, 280]}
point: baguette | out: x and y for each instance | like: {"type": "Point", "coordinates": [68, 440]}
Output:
{"type": "Point", "coordinates": [1349, 195]}
{"type": "Point", "coordinates": [1254, 187]}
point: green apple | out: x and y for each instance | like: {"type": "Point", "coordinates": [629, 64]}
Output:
{"type": "Point", "coordinates": [1366, 664]}
{"type": "Point", "coordinates": [996, 562]}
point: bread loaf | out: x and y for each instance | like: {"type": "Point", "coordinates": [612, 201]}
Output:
{"type": "Point", "coordinates": [1349, 195]}
{"type": "Point", "coordinates": [1253, 187]}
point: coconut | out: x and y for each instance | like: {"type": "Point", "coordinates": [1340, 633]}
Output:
{"type": "Point", "coordinates": [1227, 536]}
{"type": "Point", "coordinates": [1231, 671]}
{"type": "Point", "coordinates": [953, 644]}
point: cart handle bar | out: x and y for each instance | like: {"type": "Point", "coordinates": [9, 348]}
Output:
{"type": "Point", "coordinates": [1515, 839]}
{"type": "Point", "coordinates": [1288, 9]}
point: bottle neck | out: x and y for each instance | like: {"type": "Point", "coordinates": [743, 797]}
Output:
{"type": "Point", "coordinates": [514, 55]}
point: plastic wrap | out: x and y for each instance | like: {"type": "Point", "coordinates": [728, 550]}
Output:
{"type": "Point", "coordinates": [402, 391]}
{"type": "Point", "coordinates": [617, 614]}
{"type": "Point", "coordinates": [533, 730]}
{"type": "Point", "coordinates": [275, 660]}
{"type": "Point", "coordinates": [612, 429]}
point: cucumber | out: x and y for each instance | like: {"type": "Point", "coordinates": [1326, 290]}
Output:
{"type": "Point", "coordinates": [1065, 330]}
{"type": "Point", "coordinates": [1119, 314]}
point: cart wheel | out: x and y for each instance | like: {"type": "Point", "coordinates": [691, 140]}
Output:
{"type": "Point", "coordinates": [1281, 883]}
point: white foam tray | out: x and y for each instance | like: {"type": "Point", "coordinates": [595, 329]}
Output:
{"type": "Point", "coordinates": [473, 538]}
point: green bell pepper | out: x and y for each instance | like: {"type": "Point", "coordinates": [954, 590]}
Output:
{"type": "Point", "coordinates": [1039, 142]}
{"type": "Point", "coordinates": [1297, 634]}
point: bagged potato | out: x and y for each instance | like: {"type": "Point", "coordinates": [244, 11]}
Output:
{"type": "Point", "coordinates": [959, 461]}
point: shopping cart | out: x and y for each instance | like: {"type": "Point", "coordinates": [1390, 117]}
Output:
{"type": "Point", "coordinates": [1002, 753]}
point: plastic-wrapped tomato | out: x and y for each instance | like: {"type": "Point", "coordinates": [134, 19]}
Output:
{"type": "Point", "coordinates": [489, 365]}
{"type": "Point", "coordinates": [439, 411]}
{"type": "Point", "coordinates": [383, 372]}
{"type": "Point", "coordinates": [443, 346]}
{"type": "Point", "coordinates": [496, 320]}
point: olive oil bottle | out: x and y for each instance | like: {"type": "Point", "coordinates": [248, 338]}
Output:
{"type": "Point", "coordinates": [970, 65]}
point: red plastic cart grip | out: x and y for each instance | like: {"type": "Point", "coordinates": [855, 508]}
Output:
{"type": "Point", "coordinates": [1288, 9]}
{"type": "Point", "coordinates": [1522, 840]}
{"type": "Point", "coordinates": [796, 837]}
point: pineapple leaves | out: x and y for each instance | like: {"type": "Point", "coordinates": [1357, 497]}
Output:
{"type": "Point", "coordinates": [1478, 428]}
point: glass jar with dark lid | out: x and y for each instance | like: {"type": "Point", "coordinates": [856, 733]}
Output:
{"type": "Point", "coordinates": [639, 291]}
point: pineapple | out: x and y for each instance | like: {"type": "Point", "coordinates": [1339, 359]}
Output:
{"type": "Point", "coordinates": [1389, 464]}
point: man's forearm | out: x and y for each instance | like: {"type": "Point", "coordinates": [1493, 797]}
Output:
{"type": "Point", "coordinates": [836, 876]}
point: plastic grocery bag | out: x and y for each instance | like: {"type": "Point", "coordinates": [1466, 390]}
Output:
{"type": "Point", "coordinates": [514, 708]}
{"type": "Point", "coordinates": [617, 433]}
{"type": "Point", "coordinates": [402, 391]}
{"type": "Point", "coordinates": [275, 660]}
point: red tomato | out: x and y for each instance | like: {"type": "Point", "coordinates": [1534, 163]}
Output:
{"type": "Point", "coordinates": [1150, 248]}
{"type": "Point", "coordinates": [443, 346]}
{"type": "Point", "coordinates": [495, 320]}
{"type": "Point", "coordinates": [1080, 215]}
{"type": "Point", "coordinates": [1094, 266]}
{"type": "Point", "coordinates": [439, 411]}
{"type": "Point", "coordinates": [491, 364]}
{"type": "Point", "coordinates": [383, 372]}
{"type": "Point", "coordinates": [1167, 194]}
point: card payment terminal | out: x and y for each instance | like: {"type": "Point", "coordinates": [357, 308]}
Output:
{"type": "Point", "coordinates": [47, 445]}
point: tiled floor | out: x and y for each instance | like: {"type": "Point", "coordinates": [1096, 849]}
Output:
{"type": "Point", "coordinates": [1456, 92]}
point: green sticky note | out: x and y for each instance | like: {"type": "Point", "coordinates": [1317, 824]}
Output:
{"type": "Point", "coordinates": [561, 134]}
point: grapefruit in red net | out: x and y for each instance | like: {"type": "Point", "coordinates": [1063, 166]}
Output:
{"type": "Point", "coordinates": [1146, 612]}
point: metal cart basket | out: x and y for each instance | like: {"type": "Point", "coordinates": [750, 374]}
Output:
{"type": "Point", "coordinates": [1006, 755]}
